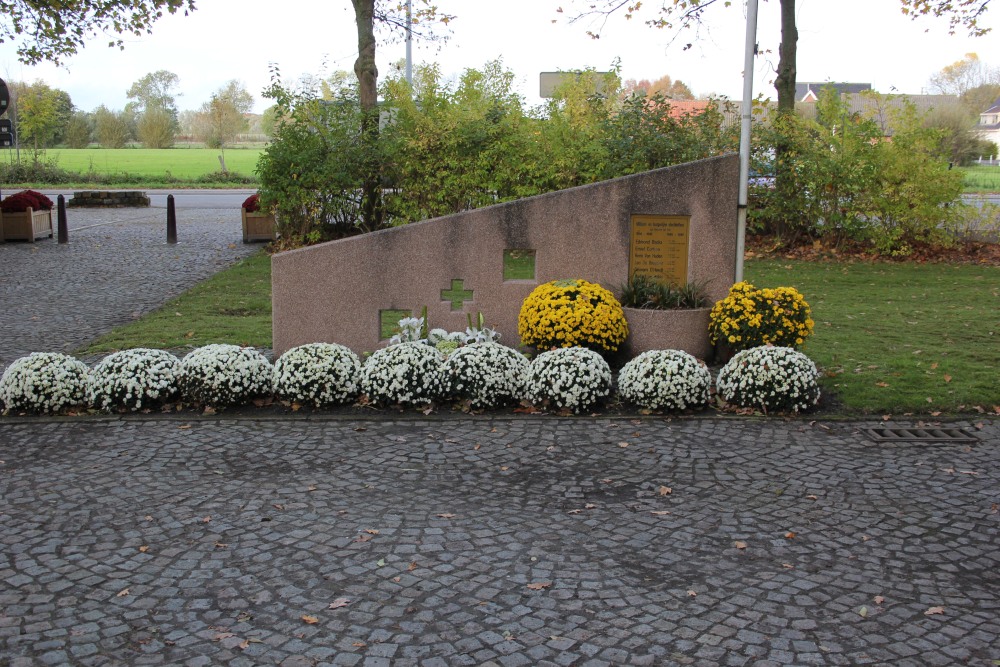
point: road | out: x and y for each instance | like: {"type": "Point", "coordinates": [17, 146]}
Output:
{"type": "Point", "coordinates": [182, 198]}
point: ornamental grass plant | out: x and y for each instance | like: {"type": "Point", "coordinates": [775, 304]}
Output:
{"type": "Point", "coordinates": [572, 313]}
{"type": "Point", "coordinates": [750, 317]}
{"type": "Point", "coordinates": [44, 382]}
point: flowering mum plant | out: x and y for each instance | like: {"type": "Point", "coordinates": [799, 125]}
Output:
{"type": "Point", "coordinates": [405, 374]}
{"type": "Point", "coordinates": [252, 203]}
{"type": "Point", "coordinates": [44, 382]}
{"type": "Point", "coordinates": [487, 375]}
{"type": "Point", "coordinates": [771, 379]}
{"type": "Point", "coordinates": [665, 380]}
{"type": "Point", "coordinates": [134, 380]}
{"type": "Point", "coordinates": [25, 199]}
{"type": "Point", "coordinates": [570, 313]}
{"type": "Point", "coordinates": [749, 317]}
{"type": "Point", "coordinates": [571, 378]}
{"type": "Point", "coordinates": [221, 374]}
{"type": "Point", "coordinates": [317, 374]}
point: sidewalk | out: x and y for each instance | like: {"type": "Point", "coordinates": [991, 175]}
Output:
{"type": "Point", "coordinates": [538, 541]}
{"type": "Point", "coordinates": [116, 267]}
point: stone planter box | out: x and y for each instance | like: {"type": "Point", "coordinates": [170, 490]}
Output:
{"type": "Point", "coordinates": [685, 330]}
{"type": "Point", "coordinates": [258, 227]}
{"type": "Point", "coordinates": [25, 226]}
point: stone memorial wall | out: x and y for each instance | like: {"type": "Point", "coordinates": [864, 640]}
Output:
{"type": "Point", "coordinates": [677, 224]}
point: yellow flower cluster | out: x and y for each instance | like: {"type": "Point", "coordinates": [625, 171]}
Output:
{"type": "Point", "coordinates": [750, 317]}
{"type": "Point", "coordinates": [571, 313]}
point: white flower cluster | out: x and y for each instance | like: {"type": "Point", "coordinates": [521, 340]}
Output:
{"type": "Point", "coordinates": [665, 380]}
{"type": "Point", "coordinates": [573, 378]}
{"type": "Point", "coordinates": [317, 374]}
{"type": "Point", "coordinates": [44, 382]}
{"type": "Point", "coordinates": [488, 375]}
{"type": "Point", "coordinates": [772, 379]}
{"type": "Point", "coordinates": [133, 380]}
{"type": "Point", "coordinates": [410, 329]}
{"type": "Point", "coordinates": [222, 374]}
{"type": "Point", "coordinates": [405, 374]}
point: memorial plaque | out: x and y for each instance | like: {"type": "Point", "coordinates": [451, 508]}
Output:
{"type": "Point", "coordinates": [659, 247]}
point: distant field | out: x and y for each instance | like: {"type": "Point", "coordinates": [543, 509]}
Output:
{"type": "Point", "coordinates": [185, 163]}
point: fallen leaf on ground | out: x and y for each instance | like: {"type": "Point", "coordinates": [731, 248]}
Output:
{"type": "Point", "coordinates": [371, 531]}
{"type": "Point", "coordinates": [660, 513]}
{"type": "Point", "coordinates": [740, 544]}
{"type": "Point", "coordinates": [665, 490]}
{"type": "Point", "coordinates": [692, 594]}
{"type": "Point", "coordinates": [446, 515]}
{"type": "Point", "coordinates": [789, 535]}
{"type": "Point", "coordinates": [359, 644]}
{"type": "Point", "coordinates": [339, 602]}
{"type": "Point", "coordinates": [143, 549]}
{"type": "Point", "coordinates": [810, 497]}
{"type": "Point", "coordinates": [122, 593]}
{"type": "Point", "coordinates": [933, 611]}
{"type": "Point", "coordinates": [209, 410]}
{"type": "Point", "coordinates": [540, 585]}
{"type": "Point", "coordinates": [412, 567]}
{"type": "Point", "coordinates": [311, 620]}
{"type": "Point", "coordinates": [623, 444]}
{"type": "Point", "coordinates": [878, 599]}
{"type": "Point", "coordinates": [863, 612]}
{"type": "Point", "coordinates": [947, 378]}
{"type": "Point", "coordinates": [881, 384]}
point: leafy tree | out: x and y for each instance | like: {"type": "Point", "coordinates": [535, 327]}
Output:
{"type": "Point", "coordinates": [54, 30]}
{"type": "Point", "coordinates": [112, 129]}
{"type": "Point", "coordinates": [79, 130]}
{"type": "Point", "coordinates": [664, 86]}
{"type": "Point", "coordinates": [40, 113]}
{"type": "Point", "coordinates": [974, 81]}
{"type": "Point", "coordinates": [223, 117]}
{"type": "Point", "coordinates": [156, 128]}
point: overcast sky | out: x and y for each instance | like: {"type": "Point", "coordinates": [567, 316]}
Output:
{"type": "Point", "coordinates": [866, 41]}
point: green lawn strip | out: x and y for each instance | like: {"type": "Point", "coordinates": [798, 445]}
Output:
{"type": "Point", "coordinates": [187, 163]}
{"type": "Point", "coordinates": [233, 306]}
{"type": "Point", "coordinates": [981, 179]}
{"type": "Point", "coordinates": [893, 338]}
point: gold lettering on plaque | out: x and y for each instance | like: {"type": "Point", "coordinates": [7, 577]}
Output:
{"type": "Point", "coordinates": [659, 247]}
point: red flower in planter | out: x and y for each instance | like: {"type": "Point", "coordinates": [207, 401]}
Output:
{"type": "Point", "coordinates": [25, 199]}
{"type": "Point", "coordinates": [252, 203]}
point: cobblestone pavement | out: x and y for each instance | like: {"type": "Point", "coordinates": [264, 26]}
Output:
{"type": "Point", "coordinates": [116, 267]}
{"type": "Point", "coordinates": [514, 541]}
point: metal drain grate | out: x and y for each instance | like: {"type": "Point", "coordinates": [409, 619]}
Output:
{"type": "Point", "coordinates": [954, 435]}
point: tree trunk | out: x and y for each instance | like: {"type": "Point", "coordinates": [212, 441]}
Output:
{"type": "Point", "coordinates": [367, 73]}
{"type": "Point", "coordinates": [785, 84]}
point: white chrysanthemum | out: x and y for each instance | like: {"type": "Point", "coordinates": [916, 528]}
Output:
{"type": "Point", "coordinates": [317, 374]}
{"type": "Point", "coordinates": [220, 375]}
{"type": "Point", "coordinates": [134, 380]}
{"type": "Point", "coordinates": [44, 382]}
{"type": "Point", "coordinates": [769, 378]}
{"type": "Point", "coordinates": [573, 378]}
{"type": "Point", "coordinates": [488, 375]}
{"type": "Point", "coordinates": [665, 380]}
{"type": "Point", "coordinates": [402, 374]}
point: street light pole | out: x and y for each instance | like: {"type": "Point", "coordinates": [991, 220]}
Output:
{"type": "Point", "coordinates": [748, 65]}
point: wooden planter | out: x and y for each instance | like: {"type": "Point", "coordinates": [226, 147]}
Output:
{"type": "Point", "coordinates": [26, 226]}
{"type": "Point", "coordinates": [685, 330]}
{"type": "Point", "coordinates": [258, 227]}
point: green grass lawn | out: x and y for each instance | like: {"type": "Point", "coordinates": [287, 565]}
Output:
{"type": "Point", "coordinates": [187, 163]}
{"type": "Point", "coordinates": [891, 338]}
{"type": "Point", "coordinates": [981, 179]}
{"type": "Point", "coordinates": [896, 338]}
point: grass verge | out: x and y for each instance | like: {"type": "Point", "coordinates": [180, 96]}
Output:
{"type": "Point", "coordinates": [172, 163]}
{"type": "Point", "coordinates": [233, 306]}
{"type": "Point", "coordinates": [891, 338]}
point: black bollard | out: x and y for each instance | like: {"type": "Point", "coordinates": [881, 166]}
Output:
{"type": "Point", "coordinates": [61, 217]}
{"type": "Point", "coordinates": [171, 220]}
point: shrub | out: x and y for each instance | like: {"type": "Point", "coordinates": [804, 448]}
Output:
{"type": "Point", "coordinates": [404, 374]}
{"type": "Point", "coordinates": [568, 313]}
{"type": "Point", "coordinates": [770, 379]}
{"type": "Point", "coordinates": [134, 380]}
{"type": "Point", "coordinates": [749, 317]}
{"type": "Point", "coordinates": [220, 375]}
{"type": "Point", "coordinates": [665, 380]}
{"type": "Point", "coordinates": [25, 199]}
{"type": "Point", "coordinates": [44, 382]}
{"type": "Point", "coordinates": [317, 374]}
{"type": "Point", "coordinates": [572, 378]}
{"type": "Point", "coordinates": [487, 375]}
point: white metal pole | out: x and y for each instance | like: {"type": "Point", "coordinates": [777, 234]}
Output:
{"type": "Point", "coordinates": [409, 42]}
{"type": "Point", "coordinates": [748, 66]}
